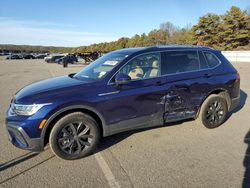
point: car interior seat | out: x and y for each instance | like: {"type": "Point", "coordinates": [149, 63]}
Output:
{"type": "Point", "coordinates": [136, 71]}
{"type": "Point", "coordinates": [153, 72]}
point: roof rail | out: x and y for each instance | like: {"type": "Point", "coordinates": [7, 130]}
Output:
{"type": "Point", "coordinates": [178, 46]}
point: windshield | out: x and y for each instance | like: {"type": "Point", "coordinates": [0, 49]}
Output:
{"type": "Point", "coordinates": [99, 68]}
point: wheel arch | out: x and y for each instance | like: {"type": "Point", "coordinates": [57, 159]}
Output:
{"type": "Point", "coordinates": [76, 108]}
{"type": "Point", "coordinates": [219, 91]}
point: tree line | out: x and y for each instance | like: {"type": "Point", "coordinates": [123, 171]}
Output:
{"type": "Point", "coordinates": [225, 32]}
{"type": "Point", "coordinates": [29, 48]}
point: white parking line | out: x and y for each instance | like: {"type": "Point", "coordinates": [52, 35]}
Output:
{"type": "Point", "coordinates": [52, 74]}
{"type": "Point", "coordinates": [106, 171]}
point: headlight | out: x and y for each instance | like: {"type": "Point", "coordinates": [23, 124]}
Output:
{"type": "Point", "coordinates": [26, 110]}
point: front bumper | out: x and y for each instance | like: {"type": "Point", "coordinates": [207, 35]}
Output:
{"type": "Point", "coordinates": [19, 138]}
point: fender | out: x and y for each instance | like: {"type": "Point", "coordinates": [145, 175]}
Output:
{"type": "Point", "coordinates": [83, 107]}
{"type": "Point", "coordinates": [222, 91]}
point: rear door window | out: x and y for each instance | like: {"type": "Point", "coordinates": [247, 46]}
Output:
{"type": "Point", "coordinates": [180, 61]}
{"type": "Point", "coordinates": [212, 60]}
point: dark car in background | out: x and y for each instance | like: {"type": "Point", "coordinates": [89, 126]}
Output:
{"type": "Point", "coordinates": [4, 53]}
{"type": "Point", "coordinates": [40, 56]}
{"type": "Point", "coordinates": [14, 56]}
{"type": "Point", "coordinates": [53, 58]}
{"type": "Point", "coordinates": [68, 59]}
{"type": "Point", "coordinates": [28, 56]}
{"type": "Point", "coordinates": [123, 90]}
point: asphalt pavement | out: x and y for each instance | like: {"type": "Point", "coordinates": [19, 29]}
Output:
{"type": "Point", "coordinates": [177, 155]}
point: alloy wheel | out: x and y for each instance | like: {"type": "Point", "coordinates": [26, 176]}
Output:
{"type": "Point", "coordinates": [75, 138]}
{"type": "Point", "coordinates": [215, 113]}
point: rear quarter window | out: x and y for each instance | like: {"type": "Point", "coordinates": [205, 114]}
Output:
{"type": "Point", "coordinates": [203, 62]}
{"type": "Point", "coordinates": [212, 59]}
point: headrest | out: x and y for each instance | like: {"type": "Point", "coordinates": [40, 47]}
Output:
{"type": "Point", "coordinates": [155, 64]}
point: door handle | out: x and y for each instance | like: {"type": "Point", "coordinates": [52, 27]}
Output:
{"type": "Point", "coordinates": [207, 75]}
{"type": "Point", "coordinates": [158, 83]}
{"type": "Point", "coordinates": [182, 87]}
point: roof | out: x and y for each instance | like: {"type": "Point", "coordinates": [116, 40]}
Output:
{"type": "Point", "coordinates": [129, 51]}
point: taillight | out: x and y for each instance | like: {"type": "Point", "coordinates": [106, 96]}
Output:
{"type": "Point", "coordinates": [237, 77]}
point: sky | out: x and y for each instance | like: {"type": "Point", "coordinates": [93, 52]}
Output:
{"type": "Point", "coordinates": [82, 22]}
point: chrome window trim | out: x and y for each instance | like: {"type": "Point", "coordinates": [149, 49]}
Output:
{"type": "Point", "coordinates": [109, 93]}
{"type": "Point", "coordinates": [109, 82]}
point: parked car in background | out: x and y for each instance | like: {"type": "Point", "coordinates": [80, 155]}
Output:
{"type": "Point", "coordinates": [123, 90]}
{"type": "Point", "coordinates": [4, 53]}
{"type": "Point", "coordinates": [53, 58]}
{"type": "Point", "coordinates": [28, 56]}
{"type": "Point", "coordinates": [14, 56]}
{"type": "Point", "coordinates": [40, 56]}
{"type": "Point", "coordinates": [68, 59]}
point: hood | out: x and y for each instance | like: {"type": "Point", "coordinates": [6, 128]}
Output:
{"type": "Point", "coordinates": [46, 88]}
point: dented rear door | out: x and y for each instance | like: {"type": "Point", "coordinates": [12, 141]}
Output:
{"type": "Point", "coordinates": [186, 81]}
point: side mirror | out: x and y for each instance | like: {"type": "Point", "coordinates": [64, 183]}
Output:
{"type": "Point", "coordinates": [121, 79]}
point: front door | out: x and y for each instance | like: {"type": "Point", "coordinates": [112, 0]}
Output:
{"type": "Point", "coordinates": [139, 103]}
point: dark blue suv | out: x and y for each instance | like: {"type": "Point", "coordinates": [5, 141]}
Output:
{"type": "Point", "coordinates": [123, 90]}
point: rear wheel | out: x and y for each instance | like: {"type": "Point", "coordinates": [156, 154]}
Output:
{"type": "Point", "coordinates": [213, 111]}
{"type": "Point", "coordinates": [74, 136]}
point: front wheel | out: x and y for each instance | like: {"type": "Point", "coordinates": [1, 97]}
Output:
{"type": "Point", "coordinates": [74, 136]}
{"type": "Point", "coordinates": [213, 111]}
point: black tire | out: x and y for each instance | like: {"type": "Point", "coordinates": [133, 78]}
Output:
{"type": "Point", "coordinates": [213, 111]}
{"type": "Point", "coordinates": [74, 136]}
{"type": "Point", "coordinates": [65, 64]}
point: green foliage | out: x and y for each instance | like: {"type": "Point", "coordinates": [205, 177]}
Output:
{"type": "Point", "coordinates": [236, 31]}
{"type": "Point", "coordinates": [207, 29]}
{"type": "Point", "coordinates": [183, 36]}
{"type": "Point", "coordinates": [224, 32]}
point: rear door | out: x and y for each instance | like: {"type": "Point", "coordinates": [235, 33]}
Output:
{"type": "Point", "coordinates": [187, 77]}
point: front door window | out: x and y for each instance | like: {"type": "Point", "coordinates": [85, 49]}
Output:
{"type": "Point", "coordinates": [143, 67]}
